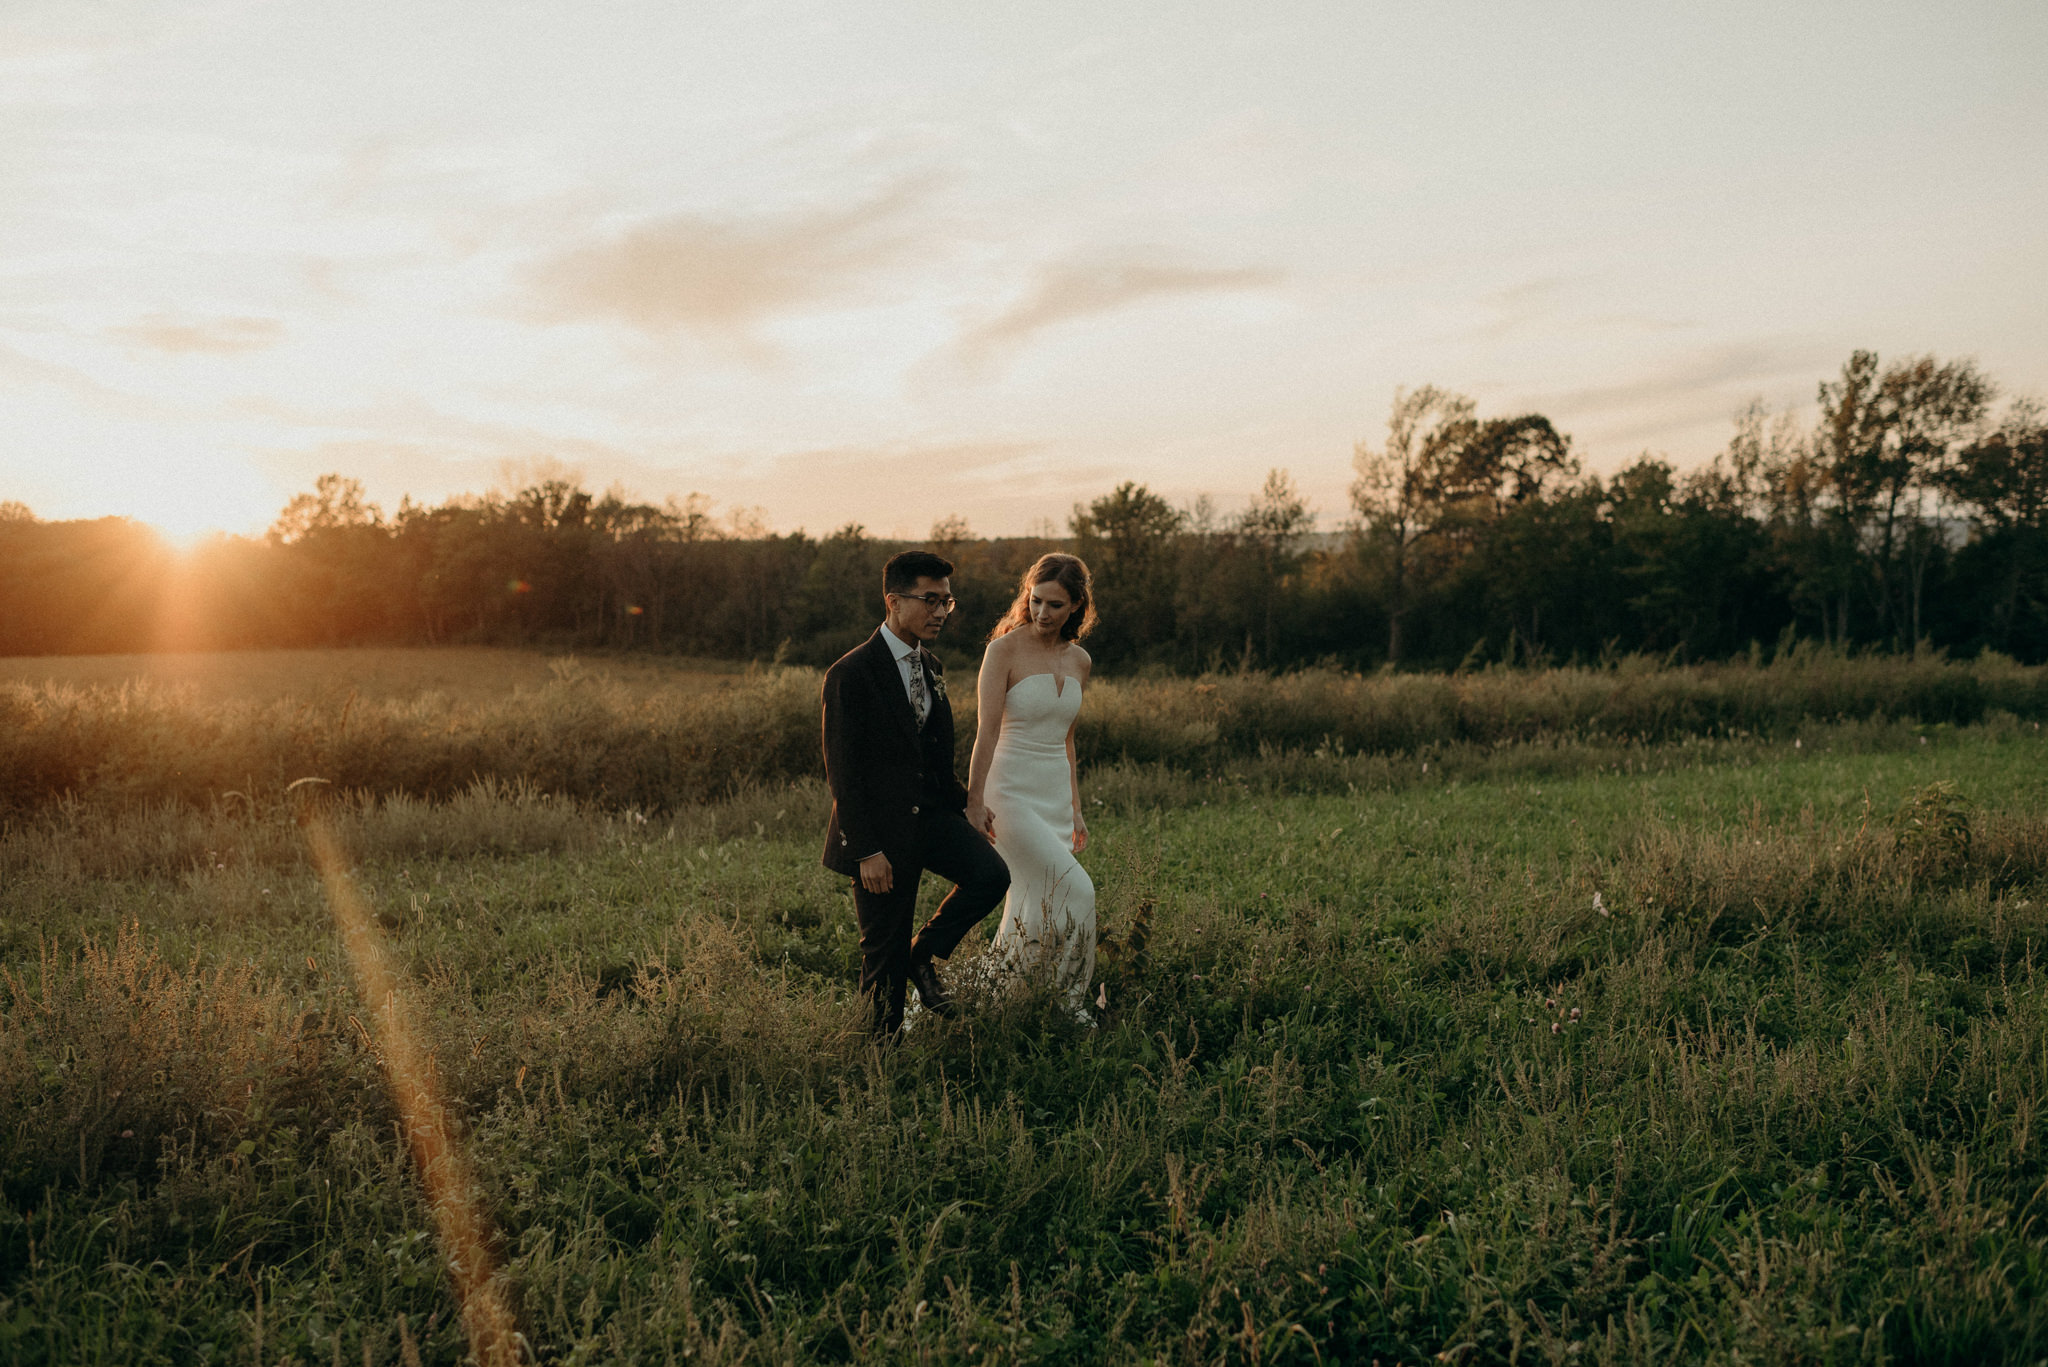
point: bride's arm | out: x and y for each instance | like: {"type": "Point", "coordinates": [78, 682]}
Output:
{"type": "Point", "coordinates": [989, 692]}
{"type": "Point", "coordinates": [1074, 769]}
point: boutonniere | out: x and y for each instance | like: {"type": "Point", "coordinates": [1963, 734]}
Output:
{"type": "Point", "coordinates": [938, 684]}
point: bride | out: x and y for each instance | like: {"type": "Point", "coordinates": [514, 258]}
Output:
{"type": "Point", "coordinates": [1021, 783]}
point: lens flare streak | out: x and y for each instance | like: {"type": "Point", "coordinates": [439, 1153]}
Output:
{"type": "Point", "coordinates": [465, 1232]}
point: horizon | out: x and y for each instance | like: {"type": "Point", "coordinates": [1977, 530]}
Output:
{"type": "Point", "coordinates": [896, 264]}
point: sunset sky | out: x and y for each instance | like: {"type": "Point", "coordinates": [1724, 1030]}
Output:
{"type": "Point", "coordinates": [886, 263]}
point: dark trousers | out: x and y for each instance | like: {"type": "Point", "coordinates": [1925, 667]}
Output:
{"type": "Point", "coordinates": [954, 850]}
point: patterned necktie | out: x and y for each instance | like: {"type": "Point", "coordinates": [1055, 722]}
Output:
{"type": "Point", "coordinates": [920, 700]}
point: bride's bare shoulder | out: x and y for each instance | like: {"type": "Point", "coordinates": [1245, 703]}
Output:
{"type": "Point", "coordinates": [998, 654]}
{"type": "Point", "coordinates": [1084, 663]}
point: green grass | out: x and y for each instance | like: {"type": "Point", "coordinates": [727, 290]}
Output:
{"type": "Point", "coordinates": [1386, 1083]}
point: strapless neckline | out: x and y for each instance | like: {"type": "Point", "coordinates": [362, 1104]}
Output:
{"type": "Point", "coordinates": [1058, 683]}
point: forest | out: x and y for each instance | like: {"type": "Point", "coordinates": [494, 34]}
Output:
{"type": "Point", "coordinates": [1911, 513]}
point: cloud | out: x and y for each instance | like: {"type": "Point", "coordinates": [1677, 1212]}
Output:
{"type": "Point", "coordinates": [1530, 296]}
{"type": "Point", "coordinates": [1689, 397]}
{"type": "Point", "coordinates": [1543, 306]}
{"type": "Point", "coordinates": [1691, 375]}
{"type": "Point", "coordinates": [34, 370]}
{"type": "Point", "coordinates": [214, 336]}
{"type": "Point", "coordinates": [1517, 307]}
{"type": "Point", "coordinates": [1079, 289]}
{"type": "Point", "coordinates": [720, 278]}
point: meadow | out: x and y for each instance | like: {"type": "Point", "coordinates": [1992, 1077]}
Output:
{"type": "Point", "coordinates": [1556, 1033]}
{"type": "Point", "coordinates": [627, 732]}
{"type": "Point", "coordinates": [328, 678]}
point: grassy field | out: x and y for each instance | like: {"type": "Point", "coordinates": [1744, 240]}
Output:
{"type": "Point", "coordinates": [653, 736]}
{"type": "Point", "coordinates": [1578, 1049]}
{"type": "Point", "coordinates": [327, 678]}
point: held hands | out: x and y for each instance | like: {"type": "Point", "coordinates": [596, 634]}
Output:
{"type": "Point", "coordinates": [979, 817]}
{"type": "Point", "coordinates": [875, 873]}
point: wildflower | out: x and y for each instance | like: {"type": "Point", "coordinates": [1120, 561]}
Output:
{"type": "Point", "coordinates": [1555, 1028]}
{"type": "Point", "coordinates": [1599, 905]}
{"type": "Point", "coordinates": [1575, 1013]}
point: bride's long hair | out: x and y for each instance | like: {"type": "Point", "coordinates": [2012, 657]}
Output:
{"type": "Point", "coordinates": [1070, 572]}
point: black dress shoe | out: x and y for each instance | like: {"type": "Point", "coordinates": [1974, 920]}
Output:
{"type": "Point", "coordinates": [924, 976]}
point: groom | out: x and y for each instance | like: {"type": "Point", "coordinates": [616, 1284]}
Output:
{"type": "Point", "coordinates": [896, 803]}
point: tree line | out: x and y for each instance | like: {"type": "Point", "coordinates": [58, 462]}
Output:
{"type": "Point", "coordinates": [1908, 513]}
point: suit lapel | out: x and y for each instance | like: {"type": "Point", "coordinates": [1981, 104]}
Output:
{"type": "Point", "coordinates": [934, 677]}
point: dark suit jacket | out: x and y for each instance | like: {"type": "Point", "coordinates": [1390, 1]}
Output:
{"type": "Point", "coordinates": [882, 770]}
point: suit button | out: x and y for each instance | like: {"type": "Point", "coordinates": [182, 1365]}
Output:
{"type": "Point", "coordinates": [913, 810]}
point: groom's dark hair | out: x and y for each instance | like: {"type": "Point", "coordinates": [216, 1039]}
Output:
{"type": "Point", "coordinates": [905, 568]}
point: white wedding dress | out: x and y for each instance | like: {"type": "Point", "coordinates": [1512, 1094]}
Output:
{"type": "Point", "coordinates": [1049, 919]}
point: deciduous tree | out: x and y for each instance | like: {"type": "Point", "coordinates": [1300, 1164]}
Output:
{"type": "Point", "coordinates": [2003, 479]}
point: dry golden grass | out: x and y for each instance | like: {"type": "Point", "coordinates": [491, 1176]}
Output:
{"type": "Point", "coordinates": [654, 735]}
{"type": "Point", "coordinates": [462, 674]}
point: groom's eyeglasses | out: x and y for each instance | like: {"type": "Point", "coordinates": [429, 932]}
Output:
{"type": "Point", "coordinates": [937, 602]}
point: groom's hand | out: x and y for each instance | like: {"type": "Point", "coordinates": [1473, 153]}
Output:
{"type": "Point", "coordinates": [978, 817]}
{"type": "Point", "coordinates": [875, 873]}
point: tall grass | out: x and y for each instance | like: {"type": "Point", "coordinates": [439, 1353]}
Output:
{"type": "Point", "coordinates": [585, 737]}
{"type": "Point", "coordinates": [623, 746]}
{"type": "Point", "coordinates": [326, 677]}
{"type": "Point", "coordinates": [1528, 1069]}
{"type": "Point", "coordinates": [1197, 722]}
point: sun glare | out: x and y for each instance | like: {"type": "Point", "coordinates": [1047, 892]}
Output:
{"type": "Point", "coordinates": [188, 505]}
{"type": "Point", "coordinates": [183, 533]}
